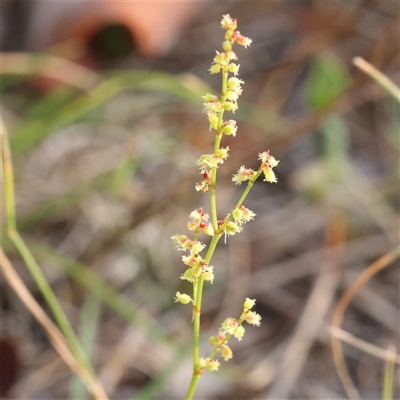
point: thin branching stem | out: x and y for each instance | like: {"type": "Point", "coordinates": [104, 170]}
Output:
{"type": "Point", "coordinates": [202, 271]}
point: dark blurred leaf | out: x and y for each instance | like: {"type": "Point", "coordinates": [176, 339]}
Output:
{"type": "Point", "coordinates": [9, 365]}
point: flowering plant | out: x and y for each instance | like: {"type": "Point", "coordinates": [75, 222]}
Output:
{"type": "Point", "coordinates": [198, 268]}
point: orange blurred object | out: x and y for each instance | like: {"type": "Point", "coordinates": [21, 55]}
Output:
{"type": "Point", "coordinates": [150, 27]}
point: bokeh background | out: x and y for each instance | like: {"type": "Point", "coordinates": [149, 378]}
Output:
{"type": "Point", "coordinates": [104, 146]}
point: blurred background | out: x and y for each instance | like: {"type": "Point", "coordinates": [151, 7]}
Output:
{"type": "Point", "coordinates": [103, 105]}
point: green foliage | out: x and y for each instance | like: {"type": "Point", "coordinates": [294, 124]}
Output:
{"type": "Point", "coordinates": [39, 123]}
{"type": "Point", "coordinates": [328, 77]}
{"type": "Point", "coordinates": [387, 391]}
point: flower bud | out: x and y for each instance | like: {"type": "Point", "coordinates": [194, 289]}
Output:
{"type": "Point", "coordinates": [248, 304]}
{"type": "Point", "coordinates": [223, 152]}
{"type": "Point", "coordinates": [209, 97]}
{"type": "Point", "coordinates": [212, 365]}
{"type": "Point", "coordinates": [226, 353]}
{"type": "Point", "coordinates": [228, 23]}
{"type": "Point", "coordinates": [212, 107]}
{"type": "Point", "coordinates": [208, 275]}
{"type": "Point", "coordinates": [229, 325]}
{"type": "Point", "coordinates": [182, 242]}
{"type": "Point", "coordinates": [235, 84]}
{"type": "Point", "coordinates": [229, 130]}
{"type": "Point", "coordinates": [233, 68]}
{"type": "Point", "coordinates": [221, 58]}
{"type": "Point", "coordinates": [188, 275]}
{"type": "Point", "coordinates": [227, 46]}
{"type": "Point", "coordinates": [196, 272]}
{"type": "Point", "coordinates": [196, 214]}
{"type": "Point", "coordinates": [253, 318]}
{"type": "Point", "coordinates": [214, 341]}
{"type": "Point", "coordinates": [237, 214]}
{"type": "Point", "coordinates": [229, 127]}
{"type": "Point", "coordinates": [239, 332]}
{"type": "Point", "coordinates": [213, 120]}
{"type": "Point", "coordinates": [208, 229]}
{"type": "Point", "coordinates": [272, 161]}
{"type": "Point", "coordinates": [230, 106]}
{"type": "Point", "coordinates": [232, 228]}
{"type": "Point", "coordinates": [182, 298]}
{"type": "Point", "coordinates": [203, 186]}
{"type": "Point", "coordinates": [265, 157]}
{"type": "Point", "coordinates": [241, 40]}
{"type": "Point", "coordinates": [230, 55]}
{"type": "Point", "coordinates": [244, 41]}
{"type": "Point", "coordinates": [208, 161]}
{"type": "Point", "coordinates": [269, 174]}
{"type": "Point", "coordinates": [197, 246]}
{"type": "Point", "coordinates": [214, 69]}
{"type": "Point", "coordinates": [192, 259]}
{"type": "Point", "coordinates": [243, 174]}
{"type": "Point", "coordinates": [232, 95]}
{"type": "Point", "coordinates": [192, 226]}
{"type": "Point", "coordinates": [245, 214]}
{"type": "Point", "coordinates": [221, 337]}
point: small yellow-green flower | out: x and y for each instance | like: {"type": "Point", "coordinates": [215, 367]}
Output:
{"type": "Point", "coordinates": [182, 298]}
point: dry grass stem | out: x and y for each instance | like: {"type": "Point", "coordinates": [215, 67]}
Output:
{"type": "Point", "coordinates": [347, 296]}
{"type": "Point", "coordinates": [314, 312]}
{"type": "Point", "coordinates": [363, 345]}
{"type": "Point", "coordinates": [378, 76]}
{"type": "Point", "coordinates": [53, 333]}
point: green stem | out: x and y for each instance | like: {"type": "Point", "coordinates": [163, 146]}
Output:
{"type": "Point", "coordinates": [192, 385]}
{"type": "Point", "coordinates": [217, 143]}
{"type": "Point", "coordinates": [212, 247]}
{"type": "Point", "coordinates": [247, 190]}
{"type": "Point", "coordinates": [217, 349]}
{"type": "Point", "coordinates": [213, 198]}
{"type": "Point", "coordinates": [198, 299]}
{"type": "Point", "coordinates": [29, 260]}
{"type": "Point", "coordinates": [196, 236]}
{"type": "Point", "coordinates": [198, 291]}
{"type": "Point", "coordinates": [8, 180]}
{"type": "Point", "coordinates": [198, 286]}
{"type": "Point", "coordinates": [196, 320]}
{"type": "Point", "coordinates": [242, 198]}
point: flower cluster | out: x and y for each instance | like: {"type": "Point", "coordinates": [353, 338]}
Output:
{"type": "Point", "coordinates": [208, 161]}
{"type": "Point", "coordinates": [268, 162]}
{"type": "Point", "coordinates": [197, 265]}
{"type": "Point", "coordinates": [233, 327]}
{"type": "Point", "coordinates": [209, 363]}
{"type": "Point", "coordinates": [234, 222]}
{"type": "Point", "coordinates": [241, 215]}
{"type": "Point", "coordinates": [214, 106]}
{"type": "Point", "coordinates": [200, 222]}
{"type": "Point", "coordinates": [184, 243]}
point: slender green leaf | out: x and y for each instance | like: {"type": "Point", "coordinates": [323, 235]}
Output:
{"type": "Point", "coordinates": [90, 317]}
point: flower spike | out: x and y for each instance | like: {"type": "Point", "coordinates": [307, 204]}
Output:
{"type": "Point", "coordinates": [198, 269]}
